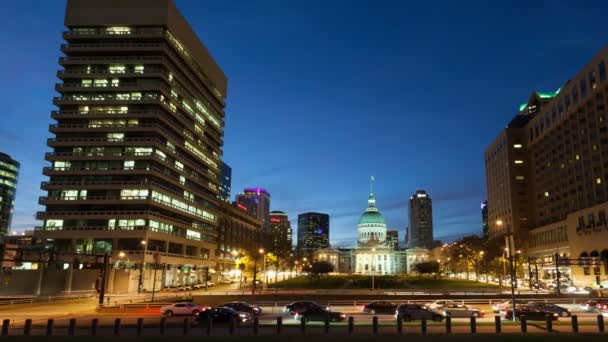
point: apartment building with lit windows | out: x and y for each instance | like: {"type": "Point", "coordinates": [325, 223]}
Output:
{"type": "Point", "coordinates": [564, 149]}
{"type": "Point", "coordinates": [137, 144]}
{"type": "Point", "coordinates": [9, 173]}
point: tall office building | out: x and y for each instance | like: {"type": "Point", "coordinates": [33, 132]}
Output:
{"type": "Point", "coordinates": [9, 172]}
{"type": "Point", "coordinates": [392, 239]}
{"type": "Point", "coordinates": [257, 203]}
{"type": "Point", "coordinates": [225, 182]}
{"type": "Point", "coordinates": [136, 153]}
{"type": "Point", "coordinates": [313, 233]}
{"type": "Point", "coordinates": [485, 227]}
{"type": "Point", "coordinates": [279, 234]}
{"type": "Point", "coordinates": [546, 177]}
{"type": "Point", "coordinates": [420, 233]}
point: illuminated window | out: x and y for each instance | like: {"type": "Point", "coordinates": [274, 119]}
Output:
{"type": "Point", "coordinates": [138, 69]}
{"type": "Point", "coordinates": [519, 162]}
{"type": "Point", "coordinates": [546, 193]}
{"type": "Point", "coordinates": [182, 180]}
{"type": "Point", "coordinates": [53, 224]}
{"type": "Point", "coordinates": [134, 194]}
{"type": "Point", "coordinates": [129, 164]}
{"type": "Point", "coordinates": [118, 30]}
{"type": "Point", "coordinates": [517, 146]}
{"type": "Point", "coordinates": [519, 177]}
{"type": "Point", "coordinates": [86, 83]}
{"type": "Point", "coordinates": [101, 83]}
{"type": "Point", "coordinates": [598, 181]}
{"type": "Point", "coordinates": [117, 69]}
{"type": "Point", "coordinates": [115, 136]}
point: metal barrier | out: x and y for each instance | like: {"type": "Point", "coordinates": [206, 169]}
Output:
{"type": "Point", "coordinates": [233, 327]}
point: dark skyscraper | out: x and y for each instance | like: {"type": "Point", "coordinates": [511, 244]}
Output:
{"type": "Point", "coordinates": [392, 239]}
{"type": "Point", "coordinates": [279, 234]}
{"type": "Point", "coordinates": [421, 220]}
{"type": "Point", "coordinates": [225, 182]}
{"type": "Point", "coordinates": [9, 172]}
{"type": "Point", "coordinates": [135, 160]}
{"type": "Point", "coordinates": [313, 232]}
{"type": "Point", "coordinates": [484, 220]}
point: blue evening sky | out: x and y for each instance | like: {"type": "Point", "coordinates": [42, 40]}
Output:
{"type": "Point", "coordinates": [324, 93]}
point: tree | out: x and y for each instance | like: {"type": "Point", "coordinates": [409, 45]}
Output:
{"type": "Point", "coordinates": [427, 267]}
{"type": "Point", "coordinates": [318, 269]}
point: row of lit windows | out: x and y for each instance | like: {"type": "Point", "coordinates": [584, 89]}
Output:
{"type": "Point", "coordinates": [9, 166]}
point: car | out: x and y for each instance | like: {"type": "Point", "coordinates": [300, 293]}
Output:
{"type": "Point", "coordinates": [507, 304]}
{"type": "Point", "coordinates": [531, 313]}
{"type": "Point", "coordinates": [438, 304]}
{"type": "Point", "coordinates": [319, 314]}
{"type": "Point", "coordinates": [410, 312]}
{"type": "Point", "coordinates": [253, 310]}
{"type": "Point", "coordinates": [549, 307]}
{"type": "Point", "coordinates": [379, 307]}
{"type": "Point", "coordinates": [459, 311]}
{"type": "Point", "coordinates": [301, 306]}
{"type": "Point", "coordinates": [182, 308]}
{"type": "Point", "coordinates": [595, 305]}
{"type": "Point", "coordinates": [226, 281]}
{"type": "Point", "coordinates": [222, 315]}
{"type": "Point", "coordinates": [210, 284]}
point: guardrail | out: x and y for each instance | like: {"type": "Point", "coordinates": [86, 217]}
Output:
{"type": "Point", "coordinates": [45, 299]}
{"type": "Point", "coordinates": [445, 325]}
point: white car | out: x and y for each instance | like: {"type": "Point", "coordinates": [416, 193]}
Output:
{"type": "Point", "coordinates": [438, 304]}
{"type": "Point", "coordinates": [182, 308]}
{"type": "Point", "coordinates": [499, 307]}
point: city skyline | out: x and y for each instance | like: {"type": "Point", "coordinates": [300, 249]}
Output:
{"type": "Point", "coordinates": [334, 188]}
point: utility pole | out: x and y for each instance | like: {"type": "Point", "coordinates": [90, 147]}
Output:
{"type": "Point", "coordinates": [557, 275]}
{"type": "Point", "coordinates": [156, 264]}
{"type": "Point", "coordinates": [104, 276]}
{"type": "Point", "coordinates": [530, 271]}
{"type": "Point", "coordinates": [510, 249]}
{"type": "Point", "coordinates": [255, 273]}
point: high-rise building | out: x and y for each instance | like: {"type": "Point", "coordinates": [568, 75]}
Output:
{"type": "Point", "coordinates": [135, 161]}
{"type": "Point", "coordinates": [225, 182]}
{"type": "Point", "coordinates": [420, 232]}
{"type": "Point", "coordinates": [257, 203]}
{"type": "Point", "coordinates": [313, 233]}
{"type": "Point", "coordinates": [547, 176]}
{"type": "Point", "coordinates": [485, 227]}
{"type": "Point", "coordinates": [239, 234]}
{"type": "Point", "coordinates": [9, 172]}
{"type": "Point", "coordinates": [392, 239]}
{"type": "Point", "coordinates": [279, 234]}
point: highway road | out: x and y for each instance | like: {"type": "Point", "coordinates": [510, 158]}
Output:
{"type": "Point", "coordinates": [84, 311]}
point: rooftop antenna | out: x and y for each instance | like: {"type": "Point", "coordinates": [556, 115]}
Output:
{"type": "Point", "coordinates": [371, 184]}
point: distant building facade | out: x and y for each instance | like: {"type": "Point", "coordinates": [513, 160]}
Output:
{"type": "Point", "coordinates": [420, 233]}
{"type": "Point", "coordinates": [225, 182]}
{"type": "Point", "coordinates": [239, 234]}
{"type": "Point", "coordinates": [313, 233]}
{"type": "Point", "coordinates": [279, 234]}
{"type": "Point", "coordinates": [9, 173]}
{"type": "Point", "coordinates": [257, 203]}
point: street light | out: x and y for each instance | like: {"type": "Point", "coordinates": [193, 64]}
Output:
{"type": "Point", "coordinates": [121, 254]}
{"type": "Point", "coordinates": [143, 266]}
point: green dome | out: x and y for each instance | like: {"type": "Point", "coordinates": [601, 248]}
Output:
{"type": "Point", "coordinates": [371, 217]}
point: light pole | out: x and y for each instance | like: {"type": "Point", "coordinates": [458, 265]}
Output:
{"type": "Point", "coordinates": [156, 264]}
{"type": "Point", "coordinates": [255, 270]}
{"type": "Point", "coordinates": [140, 288]}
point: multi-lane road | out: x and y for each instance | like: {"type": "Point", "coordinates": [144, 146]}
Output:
{"type": "Point", "coordinates": [84, 311]}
